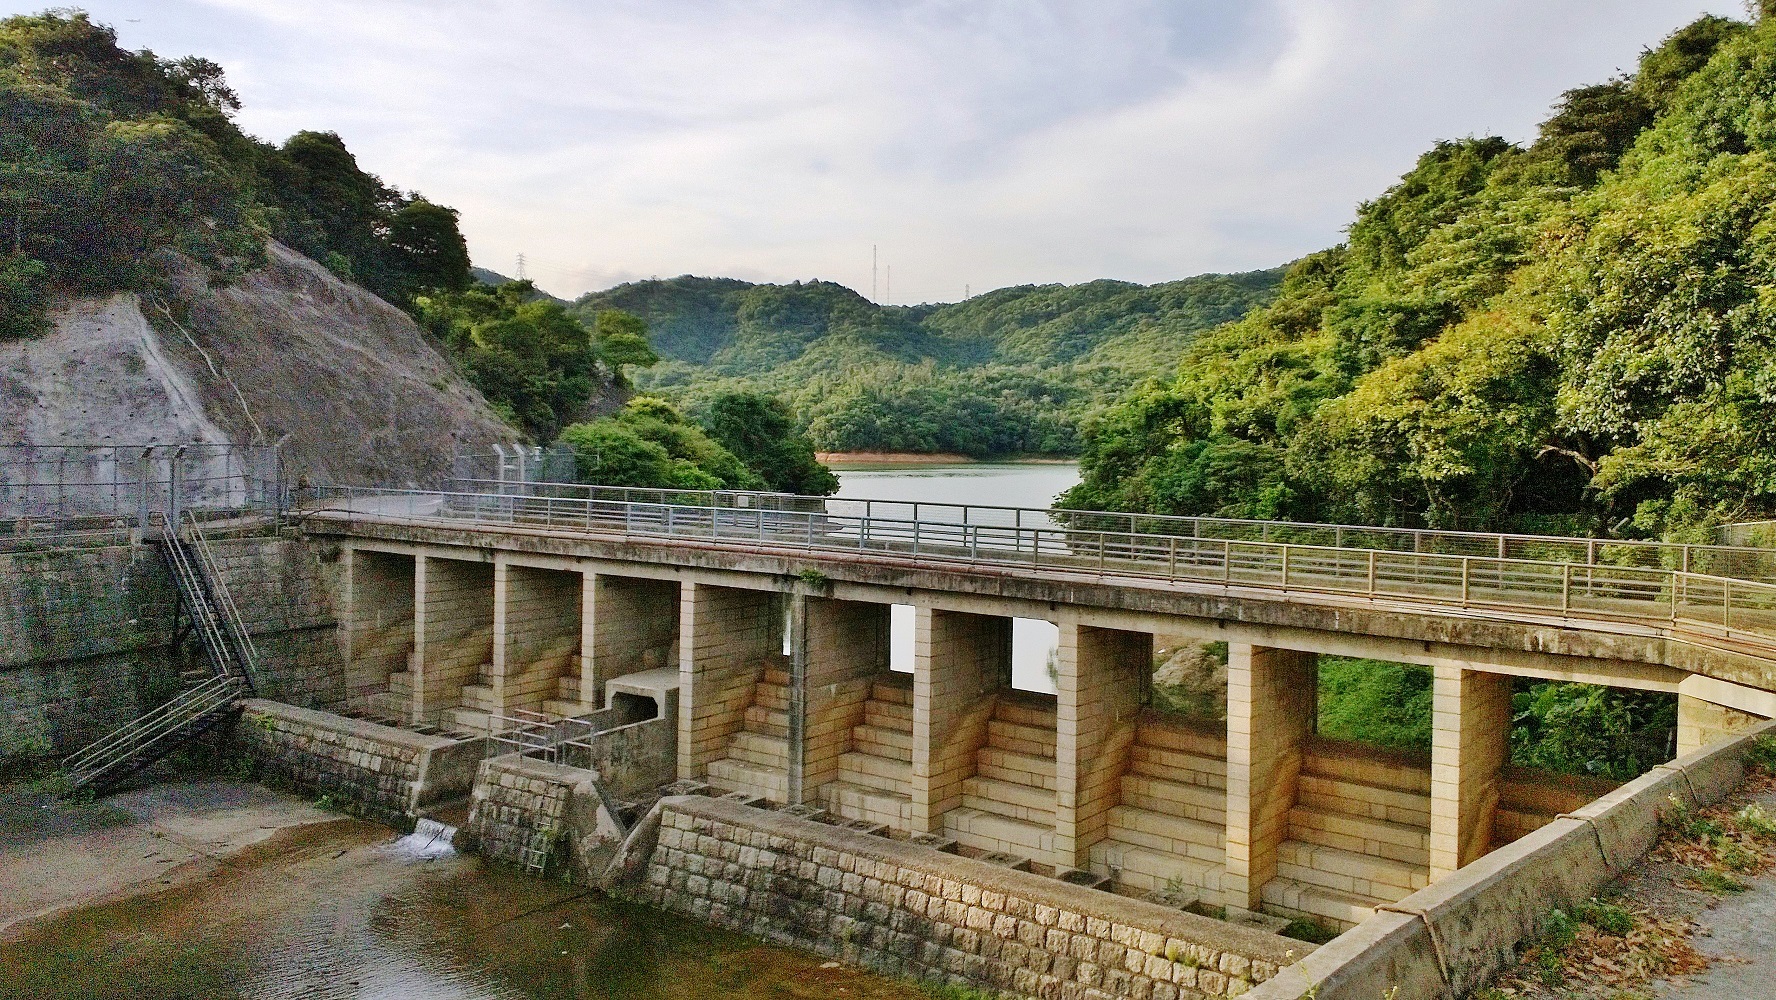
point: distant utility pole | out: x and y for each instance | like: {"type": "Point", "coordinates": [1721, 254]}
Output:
{"type": "Point", "coordinates": [888, 287]}
{"type": "Point", "coordinates": [966, 295]}
{"type": "Point", "coordinates": [521, 275]}
{"type": "Point", "coordinates": [872, 272]}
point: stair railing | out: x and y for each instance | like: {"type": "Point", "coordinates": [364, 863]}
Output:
{"type": "Point", "coordinates": [218, 590]}
{"type": "Point", "coordinates": [203, 614]}
{"type": "Point", "coordinates": [131, 740]}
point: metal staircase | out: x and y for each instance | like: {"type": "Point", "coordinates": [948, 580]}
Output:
{"type": "Point", "coordinates": [229, 649]}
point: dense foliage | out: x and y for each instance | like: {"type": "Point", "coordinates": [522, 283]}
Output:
{"type": "Point", "coordinates": [1577, 335]}
{"type": "Point", "coordinates": [649, 442]}
{"type": "Point", "coordinates": [537, 365]}
{"type": "Point", "coordinates": [1010, 372]}
{"type": "Point", "coordinates": [111, 161]}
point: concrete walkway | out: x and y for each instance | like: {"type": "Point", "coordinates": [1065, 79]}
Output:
{"type": "Point", "coordinates": [55, 855]}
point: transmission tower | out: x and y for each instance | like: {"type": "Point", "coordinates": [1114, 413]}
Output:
{"type": "Point", "coordinates": [521, 275]}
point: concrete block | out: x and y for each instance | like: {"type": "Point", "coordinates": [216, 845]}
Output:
{"type": "Point", "coordinates": [1385, 952]}
{"type": "Point", "coordinates": [1627, 819]}
{"type": "Point", "coordinates": [1477, 915]}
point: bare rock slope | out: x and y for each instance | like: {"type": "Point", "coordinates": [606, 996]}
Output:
{"type": "Point", "coordinates": [290, 353]}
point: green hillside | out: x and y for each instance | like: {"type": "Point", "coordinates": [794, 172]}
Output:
{"type": "Point", "coordinates": [1578, 335]}
{"type": "Point", "coordinates": [1010, 372]}
{"type": "Point", "coordinates": [110, 161]}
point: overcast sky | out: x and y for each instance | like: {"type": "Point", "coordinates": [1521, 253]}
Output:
{"type": "Point", "coordinates": [978, 144]}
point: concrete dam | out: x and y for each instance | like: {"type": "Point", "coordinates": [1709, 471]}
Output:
{"type": "Point", "coordinates": [688, 698]}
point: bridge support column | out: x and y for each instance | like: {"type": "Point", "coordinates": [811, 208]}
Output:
{"type": "Point", "coordinates": [1104, 675]}
{"type": "Point", "coordinates": [1700, 723]}
{"type": "Point", "coordinates": [1272, 705]}
{"type": "Point", "coordinates": [837, 650]}
{"type": "Point", "coordinates": [724, 638]}
{"type": "Point", "coordinates": [959, 662]}
{"type": "Point", "coordinates": [1470, 743]}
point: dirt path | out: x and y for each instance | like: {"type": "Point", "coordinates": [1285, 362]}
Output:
{"type": "Point", "coordinates": [1738, 936]}
{"type": "Point", "coordinates": [56, 855]}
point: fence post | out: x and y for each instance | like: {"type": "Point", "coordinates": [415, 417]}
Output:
{"type": "Point", "coordinates": [1226, 561]}
{"type": "Point", "coordinates": [1285, 565]}
{"type": "Point", "coordinates": [1372, 573]}
{"type": "Point", "coordinates": [1566, 586]}
{"type": "Point", "coordinates": [1466, 562]}
{"type": "Point", "coordinates": [1727, 604]}
{"type": "Point", "coordinates": [1172, 561]}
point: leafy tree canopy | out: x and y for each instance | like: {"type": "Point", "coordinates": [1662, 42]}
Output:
{"type": "Point", "coordinates": [110, 161]}
{"type": "Point", "coordinates": [1573, 336]}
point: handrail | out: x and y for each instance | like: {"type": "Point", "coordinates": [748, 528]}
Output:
{"type": "Point", "coordinates": [221, 594]}
{"type": "Point", "coordinates": [1713, 605]}
{"type": "Point", "coordinates": [1582, 550]}
{"type": "Point", "coordinates": [215, 644]}
{"type": "Point", "coordinates": [188, 706]}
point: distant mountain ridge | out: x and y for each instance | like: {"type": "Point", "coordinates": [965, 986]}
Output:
{"type": "Point", "coordinates": [1012, 371]}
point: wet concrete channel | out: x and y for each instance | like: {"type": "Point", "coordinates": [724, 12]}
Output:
{"type": "Point", "coordinates": [340, 908]}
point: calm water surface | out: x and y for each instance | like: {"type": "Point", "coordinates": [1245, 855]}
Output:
{"type": "Point", "coordinates": [1011, 484]}
{"type": "Point", "coordinates": [335, 911]}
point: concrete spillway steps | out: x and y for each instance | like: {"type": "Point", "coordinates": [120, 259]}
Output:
{"type": "Point", "coordinates": [875, 775]}
{"type": "Point", "coordinates": [1009, 804]}
{"type": "Point", "coordinates": [1353, 845]}
{"type": "Point", "coordinates": [758, 755]}
{"type": "Point", "coordinates": [1170, 829]}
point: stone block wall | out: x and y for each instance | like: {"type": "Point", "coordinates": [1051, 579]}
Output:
{"type": "Point", "coordinates": [847, 648]}
{"type": "Point", "coordinates": [1470, 745]}
{"type": "Point", "coordinates": [725, 635]}
{"type": "Point", "coordinates": [86, 636]}
{"type": "Point", "coordinates": [388, 772]}
{"type": "Point", "coordinates": [455, 626]}
{"type": "Point", "coordinates": [961, 661]}
{"type": "Point", "coordinates": [629, 759]}
{"type": "Point", "coordinates": [379, 622]}
{"type": "Point", "coordinates": [632, 625]}
{"type": "Point", "coordinates": [1103, 679]}
{"type": "Point", "coordinates": [906, 910]}
{"type": "Point", "coordinates": [516, 798]}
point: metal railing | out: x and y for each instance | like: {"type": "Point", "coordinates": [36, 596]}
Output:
{"type": "Point", "coordinates": [1716, 606]}
{"type": "Point", "coordinates": [200, 588]}
{"type": "Point", "coordinates": [152, 734]}
{"type": "Point", "coordinates": [59, 495]}
{"type": "Point", "coordinates": [229, 613]}
{"type": "Point", "coordinates": [1746, 562]}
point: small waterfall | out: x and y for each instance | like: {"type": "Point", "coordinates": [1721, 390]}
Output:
{"type": "Point", "coordinates": [429, 839]}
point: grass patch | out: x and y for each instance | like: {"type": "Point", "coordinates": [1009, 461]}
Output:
{"type": "Point", "coordinates": [1385, 704]}
{"type": "Point", "coordinates": [1311, 931]}
{"type": "Point", "coordinates": [1717, 882]}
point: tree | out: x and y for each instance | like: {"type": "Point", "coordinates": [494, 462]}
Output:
{"type": "Point", "coordinates": [761, 431]}
{"type": "Point", "coordinates": [428, 249]}
{"type": "Point", "coordinates": [623, 341]}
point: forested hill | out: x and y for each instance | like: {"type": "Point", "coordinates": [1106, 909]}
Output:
{"type": "Point", "coordinates": [1009, 371]}
{"type": "Point", "coordinates": [1577, 335]}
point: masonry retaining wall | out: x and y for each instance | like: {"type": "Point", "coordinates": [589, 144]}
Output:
{"type": "Point", "coordinates": [907, 910]}
{"type": "Point", "coordinates": [88, 640]}
{"type": "Point", "coordinates": [517, 798]}
{"type": "Point", "coordinates": [389, 773]}
{"type": "Point", "coordinates": [1452, 937]}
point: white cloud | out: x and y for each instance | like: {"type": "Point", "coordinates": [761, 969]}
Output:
{"type": "Point", "coordinates": [986, 144]}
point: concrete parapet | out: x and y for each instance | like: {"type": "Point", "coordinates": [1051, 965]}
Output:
{"type": "Point", "coordinates": [1386, 951]}
{"type": "Point", "coordinates": [905, 909]}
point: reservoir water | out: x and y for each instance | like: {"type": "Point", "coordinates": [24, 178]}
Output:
{"type": "Point", "coordinates": [1010, 484]}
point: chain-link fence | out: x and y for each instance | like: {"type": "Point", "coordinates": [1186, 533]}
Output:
{"type": "Point", "coordinates": [52, 491]}
{"type": "Point", "coordinates": [510, 468]}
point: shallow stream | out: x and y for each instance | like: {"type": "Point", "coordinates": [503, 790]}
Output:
{"type": "Point", "coordinates": [342, 910]}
